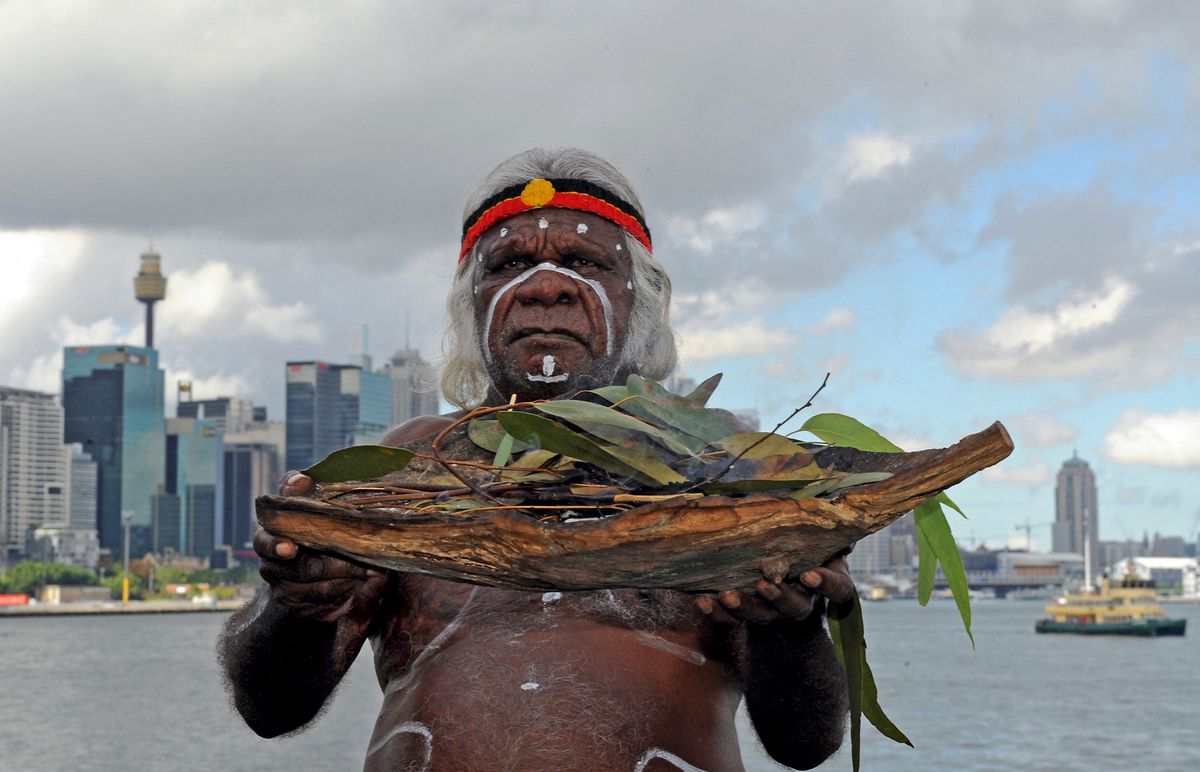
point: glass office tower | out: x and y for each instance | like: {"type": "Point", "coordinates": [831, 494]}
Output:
{"type": "Point", "coordinates": [112, 401]}
{"type": "Point", "coordinates": [333, 406]}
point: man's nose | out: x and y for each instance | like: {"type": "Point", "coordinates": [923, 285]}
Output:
{"type": "Point", "coordinates": [547, 287]}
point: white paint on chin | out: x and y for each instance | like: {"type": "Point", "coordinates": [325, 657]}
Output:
{"type": "Point", "coordinates": [548, 365]}
{"type": "Point", "coordinates": [595, 286]}
{"type": "Point", "coordinates": [667, 756]}
{"type": "Point", "coordinates": [547, 378]}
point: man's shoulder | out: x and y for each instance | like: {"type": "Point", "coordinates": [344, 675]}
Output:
{"type": "Point", "coordinates": [417, 428]}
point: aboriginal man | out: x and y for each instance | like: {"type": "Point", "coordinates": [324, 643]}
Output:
{"type": "Point", "coordinates": [556, 290]}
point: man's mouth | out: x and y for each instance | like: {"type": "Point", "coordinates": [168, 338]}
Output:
{"type": "Point", "coordinates": [556, 335]}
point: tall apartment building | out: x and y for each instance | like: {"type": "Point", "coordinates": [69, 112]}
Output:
{"type": "Point", "coordinates": [1076, 511]}
{"type": "Point", "coordinates": [33, 468]}
{"type": "Point", "coordinates": [332, 406]}
{"type": "Point", "coordinates": [112, 399]}
{"type": "Point", "coordinates": [252, 469]}
{"type": "Point", "coordinates": [413, 385]}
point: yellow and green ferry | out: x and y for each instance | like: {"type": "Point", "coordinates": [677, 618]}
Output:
{"type": "Point", "coordinates": [1127, 608]}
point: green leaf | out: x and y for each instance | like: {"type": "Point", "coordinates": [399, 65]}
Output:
{"type": "Point", "coordinates": [544, 433]}
{"type": "Point", "coordinates": [701, 393]}
{"type": "Point", "coordinates": [674, 411]}
{"type": "Point", "coordinates": [943, 499]}
{"type": "Point", "coordinates": [846, 630]}
{"type": "Point", "coordinates": [487, 433]}
{"type": "Point", "coordinates": [838, 429]}
{"type": "Point", "coordinates": [613, 394]}
{"type": "Point", "coordinates": [361, 462]}
{"type": "Point", "coordinates": [593, 418]}
{"type": "Point", "coordinates": [926, 568]}
{"type": "Point", "coordinates": [505, 451]}
{"type": "Point", "coordinates": [639, 457]}
{"type": "Point", "coordinates": [871, 708]}
{"type": "Point", "coordinates": [760, 444]}
{"type": "Point", "coordinates": [931, 522]}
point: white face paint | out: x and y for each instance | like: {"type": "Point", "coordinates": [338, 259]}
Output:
{"type": "Point", "coordinates": [529, 686]}
{"type": "Point", "coordinates": [628, 286]}
{"type": "Point", "coordinates": [618, 247]}
{"type": "Point", "coordinates": [551, 597]}
{"type": "Point", "coordinates": [543, 223]}
{"type": "Point", "coordinates": [581, 228]}
{"type": "Point", "coordinates": [503, 232]}
{"type": "Point", "coordinates": [547, 375]}
{"type": "Point", "coordinates": [525, 276]}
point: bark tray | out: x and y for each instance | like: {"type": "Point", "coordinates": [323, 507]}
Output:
{"type": "Point", "coordinates": [711, 543]}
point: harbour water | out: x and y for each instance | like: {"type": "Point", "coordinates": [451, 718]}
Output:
{"type": "Point", "coordinates": [143, 693]}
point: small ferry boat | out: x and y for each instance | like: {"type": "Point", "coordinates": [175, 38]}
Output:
{"type": "Point", "coordinates": [1124, 608]}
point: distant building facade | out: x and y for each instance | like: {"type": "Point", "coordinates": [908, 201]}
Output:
{"type": "Point", "coordinates": [187, 515]}
{"type": "Point", "coordinates": [227, 414]}
{"type": "Point", "coordinates": [33, 468]}
{"type": "Point", "coordinates": [332, 406]}
{"type": "Point", "coordinates": [1076, 512]}
{"type": "Point", "coordinates": [412, 383]}
{"type": "Point", "coordinates": [252, 469]}
{"type": "Point", "coordinates": [112, 401]}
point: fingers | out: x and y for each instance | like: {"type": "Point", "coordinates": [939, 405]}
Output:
{"type": "Point", "coordinates": [295, 483]}
{"type": "Point", "coordinates": [787, 601]}
{"type": "Point", "coordinates": [830, 582]}
{"type": "Point", "coordinates": [765, 602]}
{"type": "Point", "coordinates": [270, 547]}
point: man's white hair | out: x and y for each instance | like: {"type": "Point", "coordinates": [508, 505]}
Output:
{"type": "Point", "coordinates": [649, 341]}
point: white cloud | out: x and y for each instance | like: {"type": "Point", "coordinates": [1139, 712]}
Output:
{"type": "Point", "coordinates": [1031, 475]}
{"type": "Point", "coordinates": [837, 319]}
{"type": "Point", "coordinates": [1043, 430]}
{"type": "Point", "coordinates": [715, 227]}
{"type": "Point", "coordinates": [748, 338]}
{"type": "Point", "coordinates": [1170, 440]}
{"type": "Point", "coordinates": [216, 299]}
{"type": "Point", "coordinates": [1025, 344]}
{"type": "Point", "coordinates": [871, 155]}
{"type": "Point", "coordinates": [32, 259]}
{"type": "Point", "coordinates": [44, 372]}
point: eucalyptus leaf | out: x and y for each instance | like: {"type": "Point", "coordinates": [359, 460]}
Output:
{"type": "Point", "coordinates": [639, 457]}
{"type": "Point", "coordinates": [871, 708]}
{"type": "Point", "coordinates": [361, 462]}
{"type": "Point", "coordinates": [702, 423]}
{"type": "Point", "coordinates": [701, 393]}
{"type": "Point", "coordinates": [931, 521]}
{"type": "Point", "coordinates": [594, 418]}
{"type": "Point", "coordinates": [846, 631]}
{"type": "Point", "coordinates": [838, 429]}
{"type": "Point", "coordinates": [757, 445]}
{"type": "Point", "coordinates": [487, 433]}
{"type": "Point", "coordinates": [544, 433]}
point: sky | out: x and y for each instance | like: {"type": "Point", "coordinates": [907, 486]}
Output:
{"type": "Point", "coordinates": [965, 212]}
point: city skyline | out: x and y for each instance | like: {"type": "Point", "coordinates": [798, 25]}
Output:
{"type": "Point", "coordinates": [986, 213]}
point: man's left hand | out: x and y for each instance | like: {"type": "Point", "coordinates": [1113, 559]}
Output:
{"type": "Point", "coordinates": [768, 601]}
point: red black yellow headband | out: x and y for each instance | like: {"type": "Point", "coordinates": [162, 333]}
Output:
{"type": "Point", "coordinates": [558, 194]}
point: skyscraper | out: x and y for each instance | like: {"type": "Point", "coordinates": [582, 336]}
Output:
{"type": "Point", "coordinates": [332, 406]}
{"type": "Point", "coordinates": [412, 382]}
{"type": "Point", "coordinates": [33, 468]}
{"type": "Point", "coordinates": [251, 470]}
{"type": "Point", "coordinates": [1075, 510]}
{"type": "Point", "coordinates": [113, 403]}
{"type": "Point", "coordinates": [187, 515]}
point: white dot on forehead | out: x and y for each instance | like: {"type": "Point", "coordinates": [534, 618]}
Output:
{"type": "Point", "coordinates": [628, 285]}
{"type": "Point", "coordinates": [543, 223]}
{"type": "Point", "coordinates": [504, 231]}
{"type": "Point", "coordinates": [581, 228]}
{"type": "Point", "coordinates": [618, 247]}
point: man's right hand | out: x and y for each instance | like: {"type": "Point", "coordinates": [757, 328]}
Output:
{"type": "Point", "coordinates": [314, 585]}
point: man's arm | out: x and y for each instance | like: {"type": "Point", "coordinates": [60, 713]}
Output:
{"type": "Point", "coordinates": [285, 652]}
{"type": "Point", "coordinates": [795, 689]}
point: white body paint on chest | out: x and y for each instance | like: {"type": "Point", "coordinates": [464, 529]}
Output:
{"type": "Point", "coordinates": [667, 756]}
{"type": "Point", "coordinates": [662, 644]}
{"type": "Point", "coordinates": [408, 727]}
{"type": "Point", "coordinates": [431, 647]}
{"type": "Point", "coordinates": [517, 281]}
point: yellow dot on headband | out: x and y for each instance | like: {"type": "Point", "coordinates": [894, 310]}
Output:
{"type": "Point", "coordinates": [537, 193]}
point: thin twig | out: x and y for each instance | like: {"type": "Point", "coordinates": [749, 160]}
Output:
{"type": "Point", "coordinates": [751, 446]}
{"type": "Point", "coordinates": [471, 415]}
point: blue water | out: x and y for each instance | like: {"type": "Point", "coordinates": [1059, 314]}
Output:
{"type": "Point", "coordinates": [143, 693]}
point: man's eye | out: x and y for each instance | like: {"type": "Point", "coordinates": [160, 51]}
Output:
{"type": "Point", "coordinates": [581, 262]}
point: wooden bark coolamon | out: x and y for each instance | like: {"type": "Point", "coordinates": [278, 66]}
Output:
{"type": "Point", "coordinates": [711, 543]}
